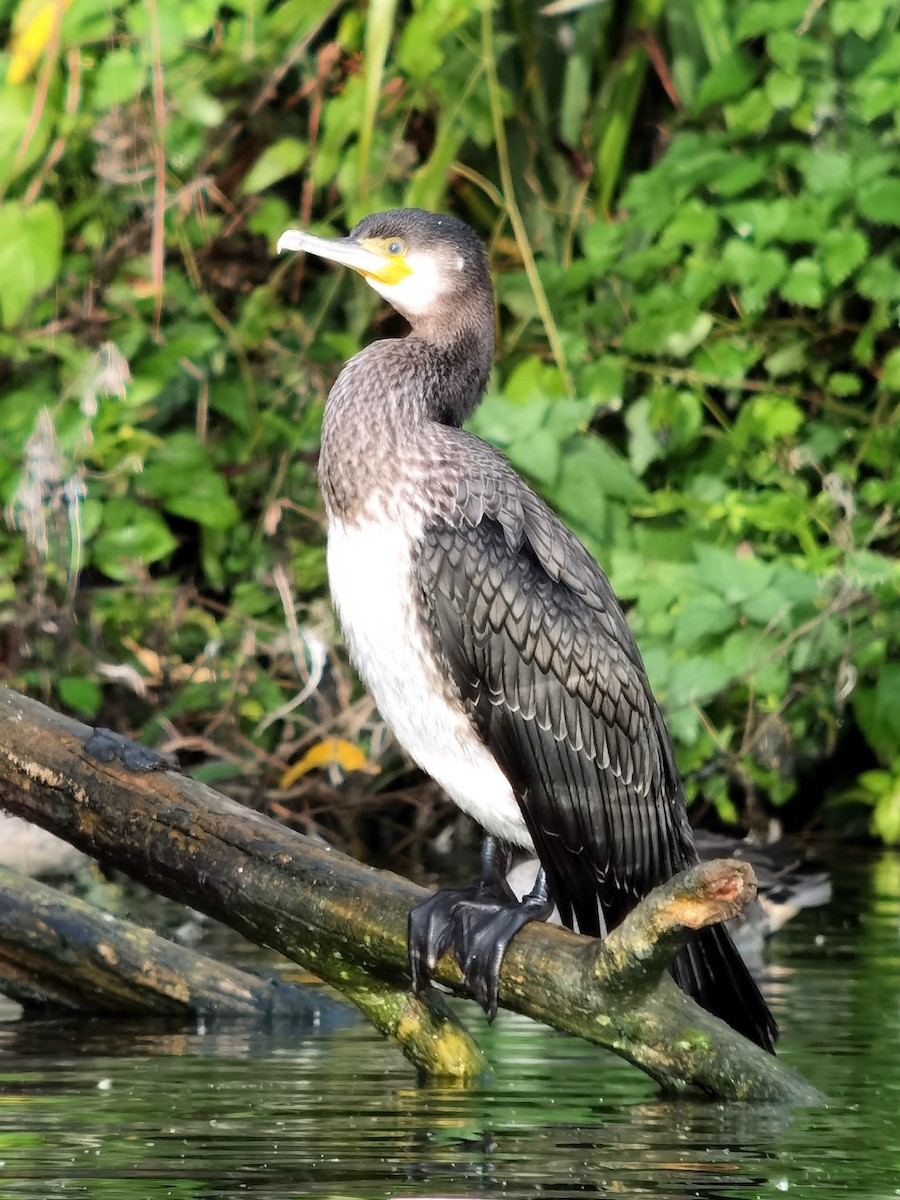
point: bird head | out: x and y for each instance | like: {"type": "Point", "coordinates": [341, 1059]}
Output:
{"type": "Point", "coordinates": [424, 264]}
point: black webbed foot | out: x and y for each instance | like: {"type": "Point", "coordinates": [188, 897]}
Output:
{"type": "Point", "coordinates": [433, 926]}
{"type": "Point", "coordinates": [482, 934]}
{"type": "Point", "coordinates": [106, 746]}
{"type": "Point", "coordinates": [478, 922]}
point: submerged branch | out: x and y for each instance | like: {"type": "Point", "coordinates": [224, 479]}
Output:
{"type": "Point", "coordinates": [59, 952]}
{"type": "Point", "coordinates": [347, 923]}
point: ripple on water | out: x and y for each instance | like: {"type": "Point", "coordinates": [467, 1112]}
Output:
{"type": "Point", "coordinates": [137, 1110]}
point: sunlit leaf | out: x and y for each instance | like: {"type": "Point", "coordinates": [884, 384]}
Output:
{"type": "Point", "coordinates": [333, 752]}
{"type": "Point", "coordinates": [34, 23]}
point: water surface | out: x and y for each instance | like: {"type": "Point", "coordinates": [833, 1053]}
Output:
{"type": "Point", "coordinates": [133, 1110]}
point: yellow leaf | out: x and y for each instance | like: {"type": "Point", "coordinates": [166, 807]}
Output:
{"type": "Point", "coordinates": [34, 24]}
{"type": "Point", "coordinates": [333, 752]}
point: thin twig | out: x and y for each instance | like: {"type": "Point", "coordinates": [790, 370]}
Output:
{"type": "Point", "coordinates": [73, 96]}
{"type": "Point", "coordinates": [157, 225]}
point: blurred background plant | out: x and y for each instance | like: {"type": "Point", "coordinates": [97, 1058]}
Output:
{"type": "Point", "coordinates": [692, 209]}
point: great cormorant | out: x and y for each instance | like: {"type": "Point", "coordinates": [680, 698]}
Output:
{"type": "Point", "coordinates": [488, 636]}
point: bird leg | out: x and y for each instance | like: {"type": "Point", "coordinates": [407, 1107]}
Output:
{"type": "Point", "coordinates": [479, 922]}
{"type": "Point", "coordinates": [483, 933]}
{"type": "Point", "coordinates": [432, 928]}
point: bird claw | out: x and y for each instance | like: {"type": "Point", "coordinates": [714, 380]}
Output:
{"type": "Point", "coordinates": [478, 923]}
{"type": "Point", "coordinates": [482, 938]}
{"type": "Point", "coordinates": [430, 933]}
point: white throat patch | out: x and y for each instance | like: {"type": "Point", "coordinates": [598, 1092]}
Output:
{"type": "Point", "coordinates": [415, 295]}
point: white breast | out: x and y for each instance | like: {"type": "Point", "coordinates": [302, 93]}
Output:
{"type": "Point", "coordinates": [374, 591]}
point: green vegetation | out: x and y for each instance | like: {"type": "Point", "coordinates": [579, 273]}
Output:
{"type": "Point", "coordinates": [693, 210]}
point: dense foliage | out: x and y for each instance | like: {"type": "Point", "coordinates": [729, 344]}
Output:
{"type": "Point", "coordinates": [693, 212]}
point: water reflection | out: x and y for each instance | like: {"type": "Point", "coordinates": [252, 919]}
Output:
{"type": "Point", "coordinates": [137, 1110]}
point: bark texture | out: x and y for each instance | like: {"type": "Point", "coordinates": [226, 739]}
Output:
{"type": "Point", "coordinates": [58, 952]}
{"type": "Point", "coordinates": [347, 923]}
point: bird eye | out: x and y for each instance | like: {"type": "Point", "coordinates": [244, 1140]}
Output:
{"type": "Point", "coordinates": [395, 246]}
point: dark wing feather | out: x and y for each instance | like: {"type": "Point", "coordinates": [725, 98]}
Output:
{"type": "Point", "coordinates": [538, 645]}
{"type": "Point", "coordinates": [539, 648]}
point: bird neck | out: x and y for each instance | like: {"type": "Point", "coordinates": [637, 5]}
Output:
{"type": "Point", "coordinates": [382, 413]}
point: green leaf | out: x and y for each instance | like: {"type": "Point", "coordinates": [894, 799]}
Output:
{"type": "Point", "coordinates": [180, 476]}
{"type": "Point", "coordinates": [761, 221]}
{"type": "Point", "coordinates": [877, 97]}
{"type": "Point", "coordinates": [206, 500]}
{"type": "Point", "coordinates": [118, 77]}
{"type": "Point", "coordinates": [843, 250]}
{"type": "Point", "coordinates": [702, 619]}
{"type": "Point", "coordinates": [727, 359]}
{"type": "Point", "coordinates": [753, 656]}
{"type": "Point", "coordinates": [877, 710]}
{"type": "Point", "coordinates": [783, 90]}
{"type": "Point", "coordinates": [694, 224]}
{"type": "Point", "coordinates": [580, 494]}
{"type": "Point", "coordinates": [533, 379]}
{"type": "Point", "coordinates": [499, 420]}
{"type": "Point", "coordinates": [84, 695]}
{"type": "Point", "coordinates": [792, 51]}
{"type": "Point", "coordinates": [591, 467]}
{"type": "Point", "coordinates": [693, 680]}
{"type": "Point", "coordinates": [843, 383]}
{"type": "Point", "coordinates": [603, 381]}
{"type": "Point", "coordinates": [675, 331]}
{"type": "Point", "coordinates": [890, 371]}
{"type": "Point", "coordinates": [753, 113]}
{"type": "Point", "coordinates": [680, 342]}
{"type": "Point", "coordinates": [789, 359]}
{"type": "Point", "coordinates": [757, 271]}
{"type": "Point", "coordinates": [666, 421]}
{"type": "Point", "coordinates": [643, 444]}
{"type": "Point", "coordinates": [886, 817]}
{"type": "Point", "coordinates": [730, 78]}
{"type": "Point", "coordinates": [862, 17]}
{"type": "Point", "coordinates": [282, 158]}
{"type": "Point", "coordinates": [767, 16]}
{"type": "Point", "coordinates": [17, 104]}
{"type": "Point", "coordinates": [743, 175]}
{"type": "Point", "coordinates": [767, 419]}
{"type": "Point", "coordinates": [537, 455]}
{"type": "Point", "coordinates": [420, 53]}
{"type": "Point", "coordinates": [804, 284]}
{"type": "Point", "coordinates": [602, 245]}
{"type": "Point", "coordinates": [734, 579]}
{"type": "Point", "coordinates": [30, 254]}
{"type": "Point", "coordinates": [131, 535]}
{"type": "Point", "coordinates": [880, 203]}
{"type": "Point", "coordinates": [828, 170]}
{"type": "Point", "coordinates": [879, 279]}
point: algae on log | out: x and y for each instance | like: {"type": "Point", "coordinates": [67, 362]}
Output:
{"type": "Point", "coordinates": [59, 952]}
{"type": "Point", "coordinates": [347, 923]}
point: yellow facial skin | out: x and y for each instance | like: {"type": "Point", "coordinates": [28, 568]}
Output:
{"type": "Point", "coordinates": [393, 251]}
{"type": "Point", "coordinates": [380, 259]}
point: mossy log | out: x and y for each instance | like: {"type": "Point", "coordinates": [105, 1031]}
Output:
{"type": "Point", "coordinates": [347, 923]}
{"type": "Point", "coordinates": [59, 953]}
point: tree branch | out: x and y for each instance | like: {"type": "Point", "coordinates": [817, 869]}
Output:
{"type": "Point", "coordinates": [58, 952]}
{"type": "Point", "coordinates": [347, 923]}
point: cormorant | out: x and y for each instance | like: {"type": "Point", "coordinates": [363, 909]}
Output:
{"type": "Point", "coordinates": [488, 636]}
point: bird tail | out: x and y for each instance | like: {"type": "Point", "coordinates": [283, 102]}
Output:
{"type": "Point", "coordinates": [711, 970]}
